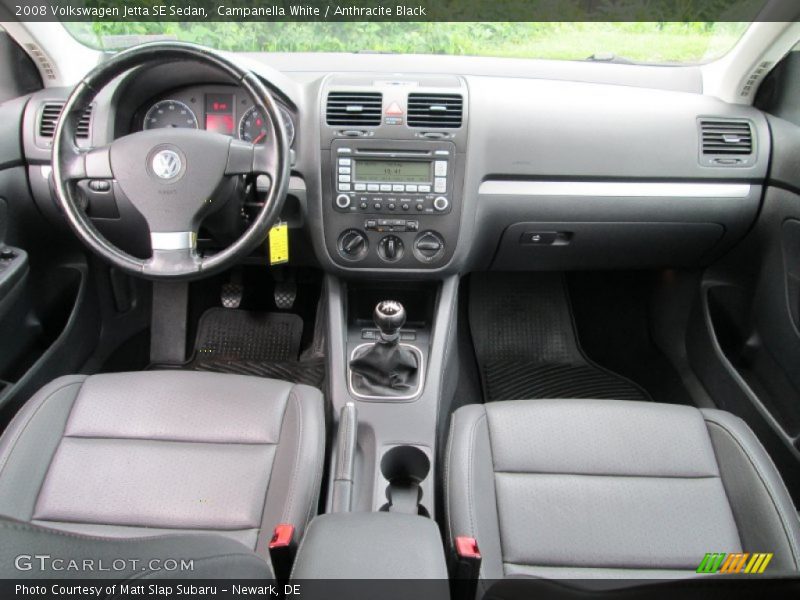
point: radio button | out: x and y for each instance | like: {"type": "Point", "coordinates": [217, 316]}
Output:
{"type": "Point", "coordinates": [344, 178]}
{"type": "Point", "coordinates": [392, 206]}
{"type": "Point", "coordinates": [424, 189]}
{"type": "Point", "coordinates": [420, 207]}
{"type": "Point", "coordinates": [343, 201]}
{"type": "Point", "coordinates": [386, 187]}
{"type": "Point", "coordinates": [344, 170]}
{"type": "Point", "coordinates": [363, 205]}
{"type": "Point", "coordinates": [440, 185]}
{"type": "Point", "coordinates": [360, 187]}
{"type": "Point", "coordinates": [377, 206]}
{"type": "Point", "coordinates": [398, 188]}
{"type": "Point", "coordinates": [440, 168]}
{"type": "Point", "coordinates": [411, 188]}
{"type": "Point", "coordinates": [373, 187]}
{"type": "Point", "coordinates": [441, 203]}
{"type": "Point", "coordinates": [344, 151]}
{"type": "Point", "coordinates": [405, 206]}
{"type": "Point", "coordinates": [344, 187]}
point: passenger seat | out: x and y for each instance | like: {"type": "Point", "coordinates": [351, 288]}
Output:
{"type": "Point", "coordinates": [587, 489]}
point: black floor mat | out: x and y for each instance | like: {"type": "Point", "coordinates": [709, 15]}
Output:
{"type": "Point", "coordinates": [526, 345]}
{"type": "Point", "coordinates": [265, 344]}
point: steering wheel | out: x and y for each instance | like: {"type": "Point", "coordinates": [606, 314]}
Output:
{"type": "Point", "coordinates": [170, 175]}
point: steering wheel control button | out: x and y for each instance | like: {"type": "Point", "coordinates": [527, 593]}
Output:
{"type": "Point", "coordinates": [441, 203]}
{"type": "Point", "coordinates": [391, 248]}
{"type": "Point", "coordinates": [343, 201]}
{"type": "Point", "coordinates": [428, 247]}
{"type": "Point", "coordinates": [99, 185]}
{"type": "Point", "coordinates": [353, 244]}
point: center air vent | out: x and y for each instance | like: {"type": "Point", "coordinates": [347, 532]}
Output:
{"type": "Point", "coordinates": [435, 110]}
{"type": "Point", "coordinates": [354, 108]}
{"type": "Point", "coordinates": [48, 120]}
{"type": "Point", "coordinates": [726, 138]}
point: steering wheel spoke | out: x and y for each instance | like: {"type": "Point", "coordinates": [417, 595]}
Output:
{"type": "Point", "coordinates": [173, 252]}
{"type": "Point", "coordinates": [245, 158]}
{"type": "Point", "coordinates": [88, 164]}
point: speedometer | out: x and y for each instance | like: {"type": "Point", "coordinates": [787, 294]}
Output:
{"type": "Point", "coordinates": [170, 113]}
{"type": "Point", "coordinates": [253, 126]}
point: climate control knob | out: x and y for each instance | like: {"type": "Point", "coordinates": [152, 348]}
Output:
{"type": "Point", "coordinates": [391, 248]}
{"type": "Point", "coordinates": [441, 203]}
{"type": "Point", "coordinates": [353, 244]}
{"type": "Point", "coordinates": [428, 246]}
{"type": "Point", "coordinates": [343, 201]}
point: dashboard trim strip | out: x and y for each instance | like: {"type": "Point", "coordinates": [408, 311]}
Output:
{"type": "Point", "coordinates": [614, 189]}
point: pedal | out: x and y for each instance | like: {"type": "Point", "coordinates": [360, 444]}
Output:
{"type": "Point", "coordinates": [231, 294]}
{"type": "Point", "coordinates": [285, 294]}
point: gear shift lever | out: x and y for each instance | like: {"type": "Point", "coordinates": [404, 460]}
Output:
{"type": "Point", "coordinates": [389, 317]}
{"type": "Point", "coordinates": [386, 368]}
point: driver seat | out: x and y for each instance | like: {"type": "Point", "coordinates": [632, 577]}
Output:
{"type": "Point", "coordinates": [129, 455]}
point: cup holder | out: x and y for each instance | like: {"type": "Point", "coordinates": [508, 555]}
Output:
{"type": "Point", "coordinates": [405, 468]}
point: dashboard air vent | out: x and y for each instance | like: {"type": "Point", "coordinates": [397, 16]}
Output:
{"type": "Point", "coordinates": [726, 138]}
{"type": "Point", "coordinates": [435, 110]}
{"type": "Point", "coordinates": [354, 108]}
{"type": "Point", "coordinates": [48, 120]}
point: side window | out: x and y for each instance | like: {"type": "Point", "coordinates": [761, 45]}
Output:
{"type": "Point", "coordinates": [18, 73]}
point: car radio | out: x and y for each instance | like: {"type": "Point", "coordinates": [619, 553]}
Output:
{"type": "Point", "coordinates": [373, 179]}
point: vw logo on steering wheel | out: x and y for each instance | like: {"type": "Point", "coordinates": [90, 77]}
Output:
{"type": "Point", "coordinates": [166, 164]}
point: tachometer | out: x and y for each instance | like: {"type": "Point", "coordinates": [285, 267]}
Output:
{"type": "Point", "coordinates": [170, 113]}
{"type": "Point", "coordinates": [253, 127]}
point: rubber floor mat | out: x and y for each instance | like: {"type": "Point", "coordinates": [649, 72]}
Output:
{"type": "Point", "coordinates": [254, 343]}
{"type": "Point", "coordinates": [526, 344]}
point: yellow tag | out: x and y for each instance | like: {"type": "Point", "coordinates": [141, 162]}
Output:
{"type": "Point", "coordinates": [279, 244]}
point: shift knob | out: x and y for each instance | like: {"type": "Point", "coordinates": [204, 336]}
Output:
{"type": "Point", "coordinates": [389, 317]}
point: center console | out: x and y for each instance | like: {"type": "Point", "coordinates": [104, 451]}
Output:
{"type": "Point", "coordinates": [392, 170]}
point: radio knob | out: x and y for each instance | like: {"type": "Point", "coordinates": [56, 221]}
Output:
{"type": "Point", "coordinates": [343, 201]}
{"type": "Point", "coordinates": [441, 203]}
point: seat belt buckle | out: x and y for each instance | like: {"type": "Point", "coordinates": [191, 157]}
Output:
{"type": "Point", "coordinates": [282, 548]}
{"type": "Point", "coordinates": [468, 567]}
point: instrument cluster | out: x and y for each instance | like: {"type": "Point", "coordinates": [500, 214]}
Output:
{"type": "Point", "coordinates": [223, 109]}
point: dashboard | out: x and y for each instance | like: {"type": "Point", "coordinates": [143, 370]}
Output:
{"type": "Point", "coordinates": [222, 109]}
{"type": "Point", "coordinates": [467, 165]}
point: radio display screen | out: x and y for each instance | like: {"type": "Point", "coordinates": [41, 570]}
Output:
{"type": "Point", "coordinates": [393, 171]}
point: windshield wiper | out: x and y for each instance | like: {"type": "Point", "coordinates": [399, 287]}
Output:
{"type": "Point", "coordinates": [610, 57]}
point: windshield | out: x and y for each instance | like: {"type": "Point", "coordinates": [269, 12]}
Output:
{"type": "Point", "coordinates": [648, 42]}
